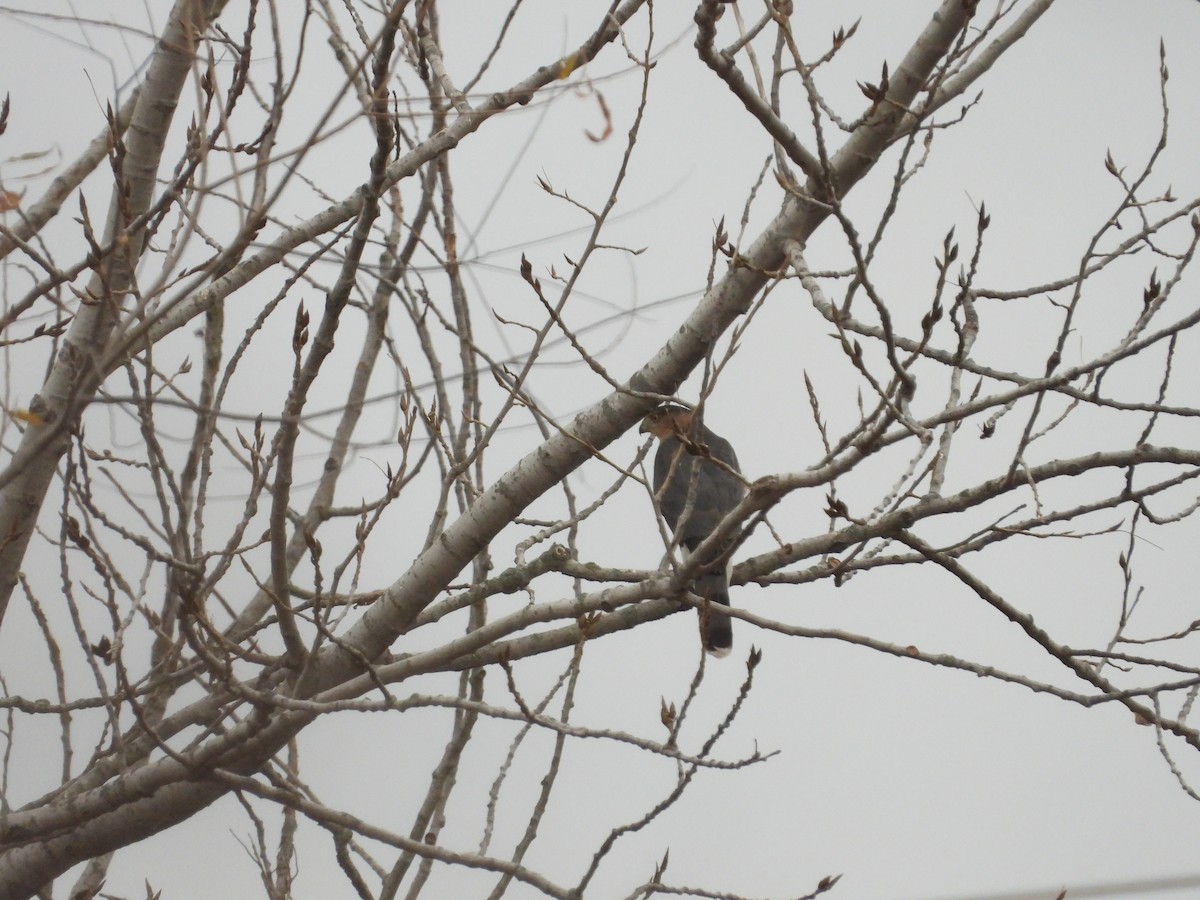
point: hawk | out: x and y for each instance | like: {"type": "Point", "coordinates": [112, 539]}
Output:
{"type": "Point", "coordinates": [697, 483]}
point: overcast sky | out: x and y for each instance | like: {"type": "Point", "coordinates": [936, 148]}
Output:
{"type": "Point", "coordinates": [913, 782]}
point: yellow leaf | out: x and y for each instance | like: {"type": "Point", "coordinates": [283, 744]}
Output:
{"type": "Point", "coordinates": [28, 417]}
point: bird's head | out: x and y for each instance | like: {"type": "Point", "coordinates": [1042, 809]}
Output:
{"type": "Point", "coordinates": [667, 420]}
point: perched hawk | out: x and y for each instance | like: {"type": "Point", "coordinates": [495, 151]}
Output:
{"type": "Point", "coordinates": [696, 482]}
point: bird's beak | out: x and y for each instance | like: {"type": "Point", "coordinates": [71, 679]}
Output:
{"type": "Point", "coordinates": [644, 428]}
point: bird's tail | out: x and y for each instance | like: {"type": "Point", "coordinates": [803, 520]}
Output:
{"type": "Point", "coordinates": [715, 624]}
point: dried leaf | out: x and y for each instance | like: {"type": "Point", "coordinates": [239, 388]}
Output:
{"type": "Point", "coordinates": [29, 417]}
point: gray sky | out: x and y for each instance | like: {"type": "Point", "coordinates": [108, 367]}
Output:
{"type": "Point", "coordinates": [910, 781]}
